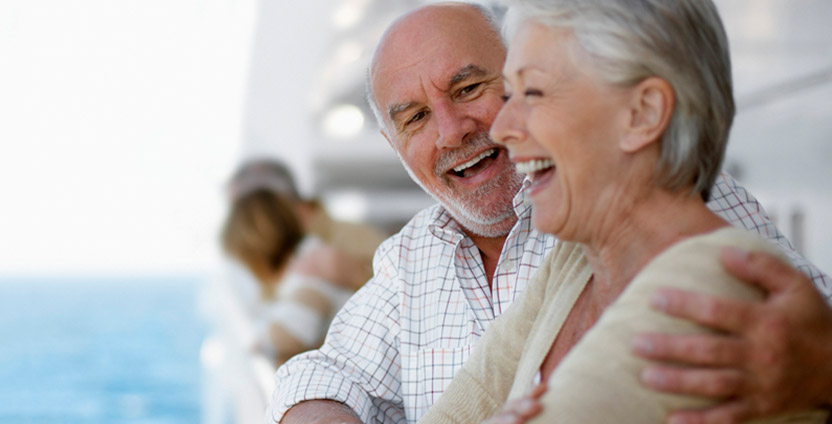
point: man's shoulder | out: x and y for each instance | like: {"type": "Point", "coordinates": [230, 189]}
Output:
{"type": "Point", "coordinates": [414, 248]}
{"type": "Point", "coordinates": [416, 230]}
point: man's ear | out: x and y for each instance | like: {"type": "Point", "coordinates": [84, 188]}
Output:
{"type": "Point", "coordinates": [651, 107]}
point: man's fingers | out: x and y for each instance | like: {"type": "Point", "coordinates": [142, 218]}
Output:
{"type": "Point", "coordinates": [729, 412]}
{"type": "Point", "coordinates": [523, 408]}
{"type": "Point", "coordinates": [759, 268]}
{"type": "Point", "coordinates": [717, 313]}
{"type": "Point", "coordinates": [696, 349]}
{"type": "Point", "coordinates": [715, 383]}
{"type": "Point", "coordinates": [528, 408]}
{"type": "Point", "coordinates": [503, 418]}
{"type": "Point", "coordinates": [516, 412]}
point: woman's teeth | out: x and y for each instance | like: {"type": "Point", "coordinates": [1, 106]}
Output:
{"type": "Point", "coordinates": [474, 161]}
{"type": "Point", "coordinates": [531, 166]}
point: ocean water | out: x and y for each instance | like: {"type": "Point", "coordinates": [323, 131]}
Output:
{"type": "Point", "coordinates": [102, 351]}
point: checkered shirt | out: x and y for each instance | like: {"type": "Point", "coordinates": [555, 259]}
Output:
{"type": "Point", "coordinates": [395, 346]}
{"type": "Point", "coordinates": [736, 205]}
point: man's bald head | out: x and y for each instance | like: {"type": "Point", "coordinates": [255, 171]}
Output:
{"type": "Point", "coordinates": [448, 20]}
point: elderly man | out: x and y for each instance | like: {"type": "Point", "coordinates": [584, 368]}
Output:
{"type": "Point", "coordinates": [393, 349]}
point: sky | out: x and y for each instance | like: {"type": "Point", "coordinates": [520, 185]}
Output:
{"type": "Point", "coordinates": [120, 122]}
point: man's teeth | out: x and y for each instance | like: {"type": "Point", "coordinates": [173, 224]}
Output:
{"type": "Point", "coordinates": [475, 160]}
{"type": "Point", "coordinates": [532, 166]}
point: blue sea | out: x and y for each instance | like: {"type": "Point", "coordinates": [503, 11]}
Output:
{"type": "Point", "coordinates": [100, 351]}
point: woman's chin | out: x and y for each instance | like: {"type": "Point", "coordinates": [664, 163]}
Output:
{"type": "Point", "coordinates": [544, 221]}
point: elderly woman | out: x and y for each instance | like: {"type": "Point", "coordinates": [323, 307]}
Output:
{"type": "Point", "coordinates": [619, 112]}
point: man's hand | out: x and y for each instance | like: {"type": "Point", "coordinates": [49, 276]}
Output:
{"type": "Point", "coordinates": [520, 410]}
{"type": "Point", "coordinates": [320, 412]}
{"type": "Point", "coordinates": [773, 356]}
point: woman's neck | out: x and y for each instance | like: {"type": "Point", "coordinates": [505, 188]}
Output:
{"type": "Point", "coordinates": [632, 234]}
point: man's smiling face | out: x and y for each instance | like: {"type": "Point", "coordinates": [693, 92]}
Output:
{"type": "Point", "coordinates": [436, 81]}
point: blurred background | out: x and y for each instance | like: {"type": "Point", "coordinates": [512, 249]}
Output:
{"type": "Point", "coordinates": [121, 121]}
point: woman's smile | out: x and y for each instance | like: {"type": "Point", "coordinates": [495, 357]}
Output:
{"type": "Point", "coordinates": [539, 171]}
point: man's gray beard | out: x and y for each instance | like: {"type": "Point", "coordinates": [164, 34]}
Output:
{"type": "Point", "coordinates": [491, 219]}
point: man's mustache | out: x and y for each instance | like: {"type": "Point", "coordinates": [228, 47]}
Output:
{"type": "Point", "coordinates": [474, 144]}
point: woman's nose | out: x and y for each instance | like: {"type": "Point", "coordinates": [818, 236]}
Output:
{"type": "Point", "coordinates": [508, 125]}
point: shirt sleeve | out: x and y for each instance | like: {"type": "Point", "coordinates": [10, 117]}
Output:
{"type": "Point", "coordinates": [359, 362]}
{"type": "Point", "coordinates": [735, 204]}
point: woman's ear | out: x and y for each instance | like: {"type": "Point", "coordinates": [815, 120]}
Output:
{"type": "Point", "coordinates": [651, 107]}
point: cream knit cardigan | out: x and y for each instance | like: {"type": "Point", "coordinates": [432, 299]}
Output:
{"type": "Point", "coordinates": [598, 381]}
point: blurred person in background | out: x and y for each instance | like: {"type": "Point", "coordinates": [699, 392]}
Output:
{"type": "Point", "coordinates": [305, 263]}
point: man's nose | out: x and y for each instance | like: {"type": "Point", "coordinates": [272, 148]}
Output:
{"type": "Point", "coordinates": [453, 125]}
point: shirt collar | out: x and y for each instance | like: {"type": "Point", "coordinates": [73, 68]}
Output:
{"type": "Point", "coordinates": [522, 200]}
{"type": "Point", "coordinates": [444, 227]}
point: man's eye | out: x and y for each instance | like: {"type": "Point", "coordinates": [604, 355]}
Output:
{"type": "Point", "coordinates": [469, 88]}
{"type": "Point", "coordinates": [418, 116]}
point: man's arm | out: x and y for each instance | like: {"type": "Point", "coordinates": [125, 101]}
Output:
{"type": "Point", "coordinates": [735, 204]}
{"type": "Point", "coordinates": [357, 365]}
{"type": "Point", "coordinates": [320, 412]}
{"type": "Point", "coordinates": [774, 356]}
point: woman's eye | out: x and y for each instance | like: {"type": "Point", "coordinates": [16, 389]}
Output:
{"type": "Point", "coordinates": [505, 97]}
{"type": "Point", "coordinates": [533, 92]}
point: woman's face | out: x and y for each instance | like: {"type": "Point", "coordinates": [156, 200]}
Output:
{"type": "Point", "coordinates": [561, 126]}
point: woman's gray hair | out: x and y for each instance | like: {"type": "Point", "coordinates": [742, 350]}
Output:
{"type": "Point", "coordinates": [680, 41]}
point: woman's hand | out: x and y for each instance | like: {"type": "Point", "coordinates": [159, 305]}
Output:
{"type": "Point", "coordinates": [770, 357]}
{"type": "Point", "coordinates": [520, 410]}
